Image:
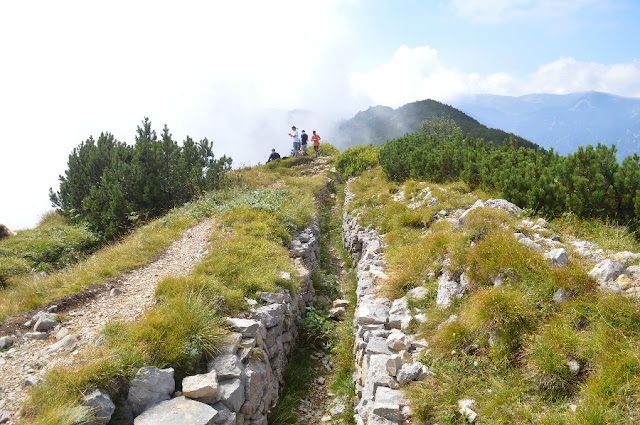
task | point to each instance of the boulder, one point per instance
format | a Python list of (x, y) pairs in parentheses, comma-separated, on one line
[(203, 387), (411, 371), (557, 257), (398, 341), (271, 315), (607, 270), (44, 321), (338, 313), (503, 204), (247, 327), (463, 217), (372, 312), (418, 293), (149, 387), (226, 366), (35, 335), (625, 282), (232, 394), (562, 295), (66, 344), (101, 405), (5, 342), (340, 303), (465, 409), (399, 315), (448, 288), (178, 411), (531, 244)]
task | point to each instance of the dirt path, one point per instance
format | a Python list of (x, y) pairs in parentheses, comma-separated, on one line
[(28, 360)]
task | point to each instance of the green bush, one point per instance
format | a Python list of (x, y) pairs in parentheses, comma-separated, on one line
[(589, 182), (327, 149), (112, 185), (353, 161)]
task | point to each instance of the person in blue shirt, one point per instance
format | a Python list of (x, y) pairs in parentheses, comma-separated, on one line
[(304, 138)]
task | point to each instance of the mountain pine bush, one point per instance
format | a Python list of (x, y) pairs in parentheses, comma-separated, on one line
[(112, 185), (589, 183)]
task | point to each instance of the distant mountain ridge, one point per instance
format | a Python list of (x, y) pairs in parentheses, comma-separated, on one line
[(562, 122), (379, 124)]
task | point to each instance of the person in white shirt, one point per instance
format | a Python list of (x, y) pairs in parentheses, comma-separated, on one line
[(296, 140)]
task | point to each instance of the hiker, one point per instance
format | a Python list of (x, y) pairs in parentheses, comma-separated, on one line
[(274, 155), (304, 137), (316, 143), (296, 142), (4, 231)]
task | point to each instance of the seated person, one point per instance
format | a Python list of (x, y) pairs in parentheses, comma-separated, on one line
[(274, 155)]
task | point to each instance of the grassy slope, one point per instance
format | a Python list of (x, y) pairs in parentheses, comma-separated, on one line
[(521, 375), (255, 219)]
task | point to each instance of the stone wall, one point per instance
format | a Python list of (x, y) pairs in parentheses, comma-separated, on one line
[(243, 383), (384, 350)]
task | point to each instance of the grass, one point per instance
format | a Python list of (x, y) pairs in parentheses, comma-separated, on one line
[(30, 291), (53, 244), (512, 346), (606, 234), (248, 251)]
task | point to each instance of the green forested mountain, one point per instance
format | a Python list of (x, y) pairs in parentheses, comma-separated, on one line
[(378, 124)]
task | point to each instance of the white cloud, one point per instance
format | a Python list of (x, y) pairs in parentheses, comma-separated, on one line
[(415, 74), (499, 11), (71, 69)]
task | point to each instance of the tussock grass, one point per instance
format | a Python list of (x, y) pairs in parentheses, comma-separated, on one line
[(606, 234), (512, 349)]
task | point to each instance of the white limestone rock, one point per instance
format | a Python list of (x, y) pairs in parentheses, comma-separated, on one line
[(101, 405), (503, 204), (44, 321), (66, 344), (557, 257), (232, 393), (448, 288), (149, 387), (226, 366), (411, 371), (178, 411), (418, 293), (531, 244), (607, 270), (6, 342), (465, 409), (398, 341), (202, 387), (372, 312), (399, 315)]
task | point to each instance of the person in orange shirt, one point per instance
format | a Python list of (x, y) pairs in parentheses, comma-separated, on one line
[(316, 143)]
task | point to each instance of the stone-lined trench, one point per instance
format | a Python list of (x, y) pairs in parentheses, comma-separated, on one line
[(244, 383)]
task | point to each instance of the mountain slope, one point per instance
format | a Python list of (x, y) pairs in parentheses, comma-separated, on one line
[(378, 124), (563, 122)]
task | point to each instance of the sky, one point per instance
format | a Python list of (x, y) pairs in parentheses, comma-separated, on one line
[(229, 71)]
